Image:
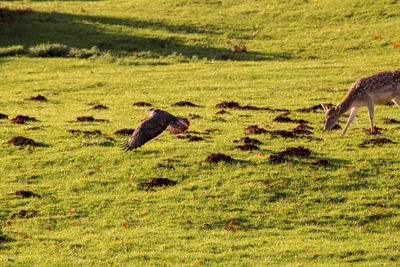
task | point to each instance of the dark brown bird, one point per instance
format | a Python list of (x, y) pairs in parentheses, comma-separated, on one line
[(153, 126)]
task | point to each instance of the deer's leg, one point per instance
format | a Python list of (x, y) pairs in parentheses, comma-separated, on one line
[(396, 101), (352, 116), (371, 112)]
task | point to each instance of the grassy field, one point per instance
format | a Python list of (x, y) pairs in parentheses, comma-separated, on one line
[(88, 207)]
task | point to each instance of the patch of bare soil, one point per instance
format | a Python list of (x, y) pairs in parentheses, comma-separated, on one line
[(26, 194), (226, 104), (3, 116), (25, 214), (287, 119), (254, 129), (33, 128), (391, 121), (303, 127), (194, 138), (248, 140), (320, 162), (290, 151), (85, 133), (142, 104), (20, 119), (377, 130), (184, 104), (89, 119), (222, 111), (247, 147), (376, 141), (297, 131), (194, 116), (157, 182), (160, 165), (124, 131), (37, 98), (100, 107), (283, 133), (236, 105), (21, 141), (314, 108), (217, 157)]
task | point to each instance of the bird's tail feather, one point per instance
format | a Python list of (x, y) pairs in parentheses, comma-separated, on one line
[(179, 126), (126, 147)]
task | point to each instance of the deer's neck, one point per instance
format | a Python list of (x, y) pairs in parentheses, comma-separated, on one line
[(346, 104)]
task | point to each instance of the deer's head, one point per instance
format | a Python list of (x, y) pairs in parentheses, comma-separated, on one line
[(332, 115)]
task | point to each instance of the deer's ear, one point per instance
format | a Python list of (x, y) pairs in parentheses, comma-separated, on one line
[(325, 107)]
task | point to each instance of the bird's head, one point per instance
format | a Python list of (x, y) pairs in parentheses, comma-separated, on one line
[(150, 110)]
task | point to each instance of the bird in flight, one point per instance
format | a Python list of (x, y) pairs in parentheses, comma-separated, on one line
[(158, 121)]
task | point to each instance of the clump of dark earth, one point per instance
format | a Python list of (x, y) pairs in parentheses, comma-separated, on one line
[(287, 119), (194, 138), (25, 214), (320, 162), (283, 133), (100, 107), (390, 103), (160, 165), (3, 116), (248, 140), (21, 141), (391, 121), (89, 119), (236, 105), (194, 116), (124, 131), (184, 104), (336, 127), (301, 131), (226, 104), (217, 157), (290, 151), (376, 141), (37, 98), (157, 182), (85, 133), (33, 128), (26, 194), (254, 129), (20, 119), (314, 108), (247, 147), (303, 127), (377, 130), (142, 104), (222, 111)]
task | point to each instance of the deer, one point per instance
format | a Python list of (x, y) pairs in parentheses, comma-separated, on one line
[(379, 88)]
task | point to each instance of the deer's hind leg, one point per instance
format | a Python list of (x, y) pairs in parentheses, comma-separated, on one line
[(371, 112)]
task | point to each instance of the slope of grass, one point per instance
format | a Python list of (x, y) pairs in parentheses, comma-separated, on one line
[(249, 212)]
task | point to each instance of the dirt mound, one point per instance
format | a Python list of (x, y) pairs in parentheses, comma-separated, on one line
[(222, 111), (21, 141), (377, 130), (287, 119), (376, 141), (100, 107), (37, 98), (247, 147), (33, 128), (89, 119), (184, 104), (217, 157), (194, 116), (303, 127), (320, 162), (230, 104), (3, 116), (297, 131), (160, 165), (157, 182), (236, 105), (254, 129), (26, 194), (387, 121), (20, 119), (142, 104), (283, 133), (124, 131), (85, 133), (194, 138), (290, 151), (25, 214), (314, 108), (248, 140)]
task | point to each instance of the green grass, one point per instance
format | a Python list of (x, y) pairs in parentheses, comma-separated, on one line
[(92, 212)]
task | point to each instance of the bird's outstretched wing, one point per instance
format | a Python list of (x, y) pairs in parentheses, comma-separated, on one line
[(146, 130), (178, 125)]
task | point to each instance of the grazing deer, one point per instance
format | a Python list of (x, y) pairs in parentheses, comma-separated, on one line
[(376, 89)]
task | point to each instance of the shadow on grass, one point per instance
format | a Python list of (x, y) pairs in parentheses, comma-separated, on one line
[(30, 28)]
